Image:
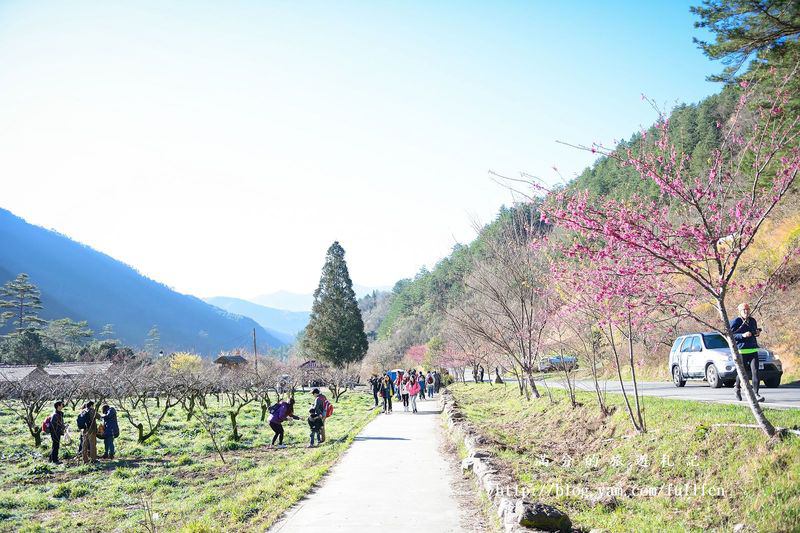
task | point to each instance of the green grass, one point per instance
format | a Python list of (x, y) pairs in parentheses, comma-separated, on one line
[(560, 454), (177, 472)]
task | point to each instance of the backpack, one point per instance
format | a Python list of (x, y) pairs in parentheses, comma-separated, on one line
[(273, 408), (430, 380), (46, 425), (83, 419), (327, 407)]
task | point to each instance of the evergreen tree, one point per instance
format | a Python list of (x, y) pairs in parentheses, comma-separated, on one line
[(767, 30), (335, 332), (19, 299), (67, 336), (26, 348), (153, 340)]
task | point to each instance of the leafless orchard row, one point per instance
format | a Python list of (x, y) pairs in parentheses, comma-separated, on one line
[(143, 394)]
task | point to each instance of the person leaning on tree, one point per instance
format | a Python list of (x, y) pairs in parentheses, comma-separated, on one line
[(745, 330)]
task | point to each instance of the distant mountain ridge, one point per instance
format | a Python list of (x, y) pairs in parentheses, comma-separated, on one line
[(84, 284), (292, 301), (283, 324)]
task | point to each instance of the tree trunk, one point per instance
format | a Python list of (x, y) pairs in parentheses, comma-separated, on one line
[(37, 436), (603, 409), (532, 383), (749, 393), (497, 378), (190, 411), (621, 382), (639, 408), (235, 427)]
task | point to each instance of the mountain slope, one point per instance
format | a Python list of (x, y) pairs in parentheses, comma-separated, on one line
[(84, 284), (282, 324)]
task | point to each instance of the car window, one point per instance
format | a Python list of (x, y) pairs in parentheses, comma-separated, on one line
[(715, 341), (687, 345), (696, 346)]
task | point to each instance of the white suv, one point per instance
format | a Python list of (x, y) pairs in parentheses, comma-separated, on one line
[(707, 356)]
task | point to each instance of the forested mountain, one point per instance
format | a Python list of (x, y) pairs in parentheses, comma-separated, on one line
[(284, 325), (83, 284), (764, 49)]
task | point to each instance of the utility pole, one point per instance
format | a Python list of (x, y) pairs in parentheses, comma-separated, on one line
[(255, 353)]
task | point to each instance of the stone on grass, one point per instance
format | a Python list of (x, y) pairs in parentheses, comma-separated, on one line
[(540, 516)]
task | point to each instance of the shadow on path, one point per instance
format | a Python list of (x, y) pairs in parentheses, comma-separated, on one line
[(380, 438)]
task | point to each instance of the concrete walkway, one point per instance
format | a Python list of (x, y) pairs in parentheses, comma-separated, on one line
[(393, 474)]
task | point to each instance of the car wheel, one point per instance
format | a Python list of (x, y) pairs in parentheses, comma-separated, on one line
[(677, 378), (773, 383), (713, 377)]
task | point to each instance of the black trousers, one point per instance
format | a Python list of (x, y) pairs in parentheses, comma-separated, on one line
[(56, 444), (375, 395), (278, 429), (387, 402), (750, 361)]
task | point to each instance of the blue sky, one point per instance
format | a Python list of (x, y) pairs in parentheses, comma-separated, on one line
[(220, 147)]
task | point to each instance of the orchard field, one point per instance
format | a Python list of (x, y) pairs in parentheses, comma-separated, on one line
[(176, 479)]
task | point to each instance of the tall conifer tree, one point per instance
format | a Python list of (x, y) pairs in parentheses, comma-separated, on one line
[(19, 301), (335, 332)]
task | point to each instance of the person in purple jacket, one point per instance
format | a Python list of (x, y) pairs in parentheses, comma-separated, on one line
[(280, 412)]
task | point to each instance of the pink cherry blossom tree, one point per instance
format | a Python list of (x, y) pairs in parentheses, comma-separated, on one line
[(698, 229)]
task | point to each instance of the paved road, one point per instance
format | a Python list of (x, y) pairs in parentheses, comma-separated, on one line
[(780, 398), (393, 473)]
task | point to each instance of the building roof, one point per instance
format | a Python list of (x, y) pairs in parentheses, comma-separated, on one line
[(18, 373), (230, 360), (77, 369), (312, 364)]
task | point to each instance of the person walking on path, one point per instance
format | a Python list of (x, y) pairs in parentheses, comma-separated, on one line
[(57, 429), (87, 422), (397, 384), (280, 412), (430, 383), (315, 424), (413, 392), (375, 385), (437, 380), (321, 406), (421, 383), (404, 393), (110, 432), (387, 391), (745, 330)]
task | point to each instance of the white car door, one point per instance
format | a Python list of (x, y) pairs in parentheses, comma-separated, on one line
[(697, 363), (683, 355)]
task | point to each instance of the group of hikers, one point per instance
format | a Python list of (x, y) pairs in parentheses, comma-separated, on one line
[(406, 386), (317, 415), (91, 425)]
